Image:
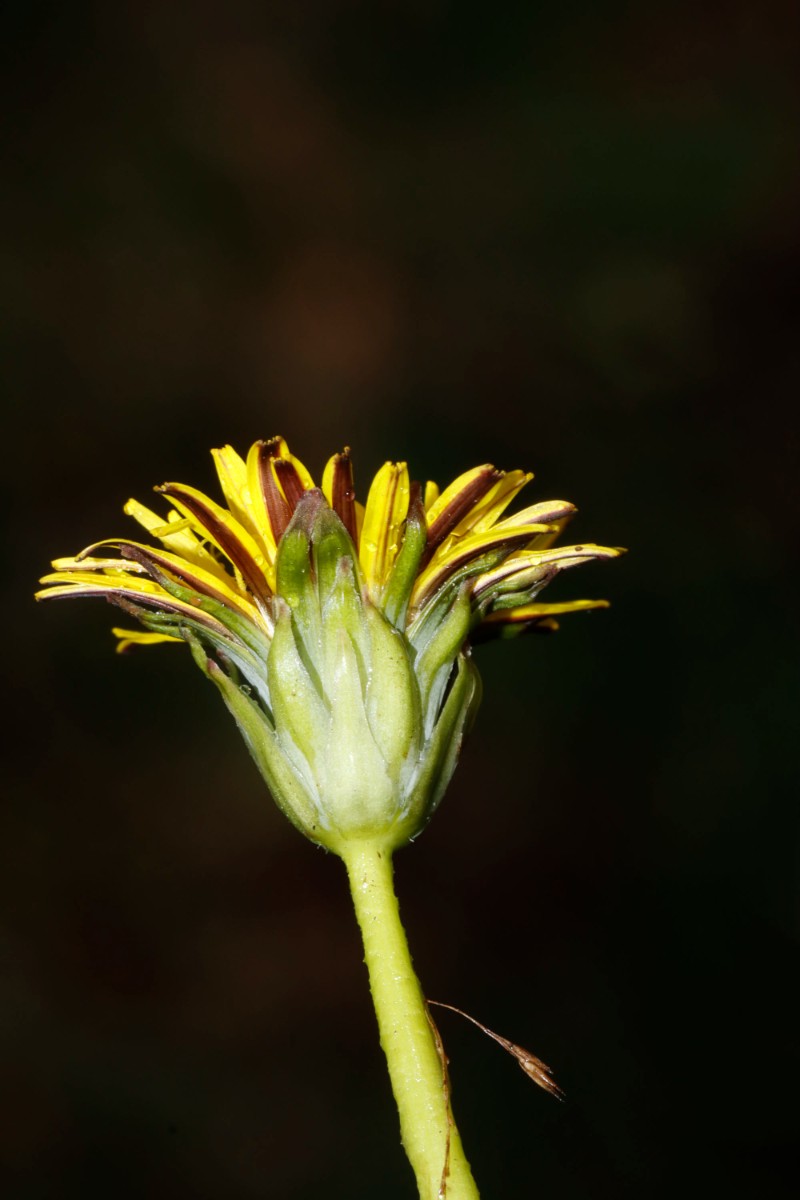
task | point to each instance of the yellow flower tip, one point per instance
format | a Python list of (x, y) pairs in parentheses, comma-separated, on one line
[(593, 551), (338, 488), (547, 625), (277, 446), (66, 564), (278, 480), (135, 637), (414, 551), (384, 516), (431, 495)]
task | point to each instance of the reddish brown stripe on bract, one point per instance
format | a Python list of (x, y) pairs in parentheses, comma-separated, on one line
[(227, 541), (157, 566), (289, 480), (130, 600), (343, 495), (458, 508), (510, 542), (416, 511), (278, 509)]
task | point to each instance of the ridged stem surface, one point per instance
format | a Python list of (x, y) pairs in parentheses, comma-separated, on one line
[(415, 1068)]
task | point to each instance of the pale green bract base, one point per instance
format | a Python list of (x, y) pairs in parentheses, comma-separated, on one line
[(360, 729)]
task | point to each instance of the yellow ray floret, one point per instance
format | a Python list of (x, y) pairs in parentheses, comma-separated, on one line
[(214, 523), (245, 501), (219, 560), (137, 637), (431, 495), (175, 534), (386, 510)]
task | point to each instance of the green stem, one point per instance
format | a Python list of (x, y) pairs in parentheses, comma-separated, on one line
[(415, 1069)]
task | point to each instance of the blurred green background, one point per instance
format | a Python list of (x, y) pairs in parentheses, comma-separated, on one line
[(562, 237)]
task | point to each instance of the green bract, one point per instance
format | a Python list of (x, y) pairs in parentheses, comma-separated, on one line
[(360, 731)]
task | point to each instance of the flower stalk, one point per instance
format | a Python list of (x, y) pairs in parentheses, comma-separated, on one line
[(417, 1074)]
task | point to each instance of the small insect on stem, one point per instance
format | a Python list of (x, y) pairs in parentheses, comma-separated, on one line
[(533, 1067)]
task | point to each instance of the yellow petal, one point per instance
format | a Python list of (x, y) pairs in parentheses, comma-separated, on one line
[(569, 555), (279, 479), (261, 515), (245, 502), (339, 491), (431, 494), (230, 537), (176, 535), (527, 559), (446, 561), (528, 611), (83, 562), (481, 513), (555, 514), (242, 491), (140, 591), (547, 512), (232, 474), (105, 581), (302, 471), (464, 485), (223, 591), (386, 510), (532, 612), (328, 476), (496, 501), (136, 637)]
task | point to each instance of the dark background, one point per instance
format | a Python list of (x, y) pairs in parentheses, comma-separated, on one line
[(554, 236)]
